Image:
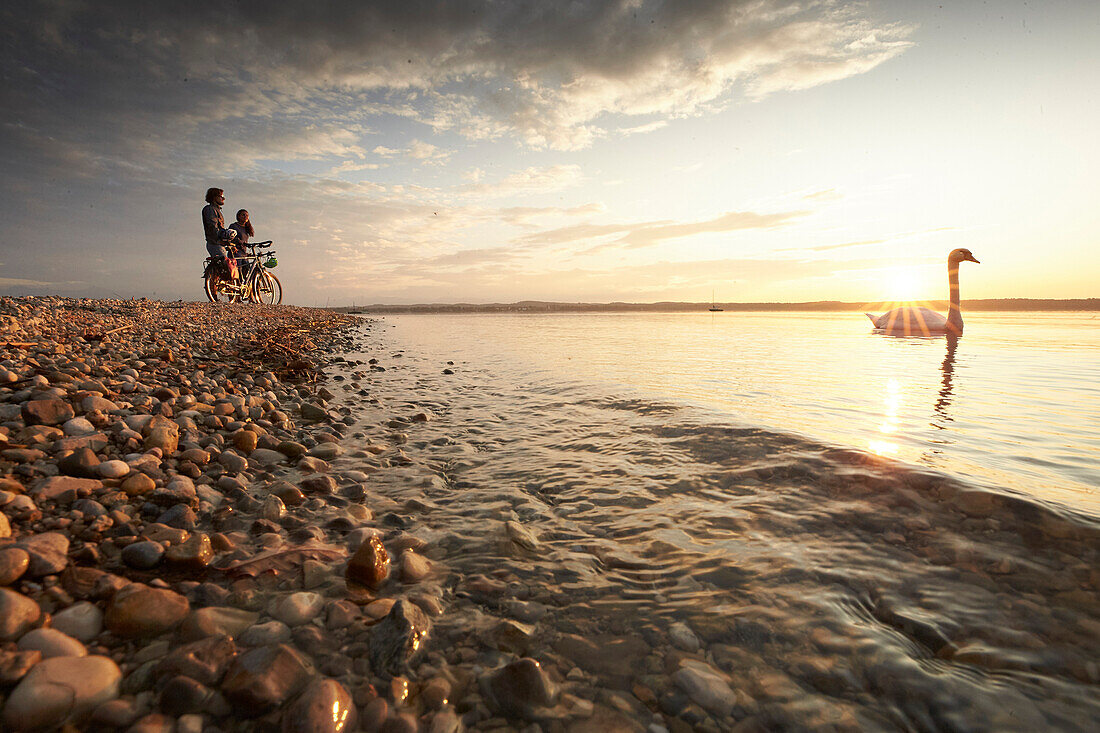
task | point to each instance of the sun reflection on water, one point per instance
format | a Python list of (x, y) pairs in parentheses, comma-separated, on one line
[(889, 425)]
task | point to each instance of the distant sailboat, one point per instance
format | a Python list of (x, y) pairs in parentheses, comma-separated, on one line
[(713, 308)]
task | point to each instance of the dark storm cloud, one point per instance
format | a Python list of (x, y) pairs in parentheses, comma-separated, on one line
[(174, 83)]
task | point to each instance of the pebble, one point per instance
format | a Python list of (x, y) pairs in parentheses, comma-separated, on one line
[(414, 567), (14, 665), (138, 485), (113, 469), (192, 554), (17, 614), (272, 632), (520, 688), (83, 621), (370, 565), (61, 690), (51, 643), (398, 638), (48, 553), (260, 680), (141, 611), (683, 637), (143, 555), (706, 687), (14, 562), (325, 706), (217, 621), (298, 608), (204, 661)]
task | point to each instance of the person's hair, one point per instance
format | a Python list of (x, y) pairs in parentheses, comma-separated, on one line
[(211, 193), (247, 225)]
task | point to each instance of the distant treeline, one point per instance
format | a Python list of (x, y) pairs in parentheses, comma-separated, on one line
[(538, 306)]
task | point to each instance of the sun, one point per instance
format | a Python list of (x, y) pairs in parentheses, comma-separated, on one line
[(902, 285)]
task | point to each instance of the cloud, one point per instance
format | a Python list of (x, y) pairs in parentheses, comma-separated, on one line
[(524, 215), (182, 84), (648, 234), (540, 179)]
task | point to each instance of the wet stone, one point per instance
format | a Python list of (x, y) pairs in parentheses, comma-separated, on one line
[(182, 695), (217, 621), (141, 611), (61, 690), (706, 686), (325, 706), (266, 457), (298, 608), (193, 554), (398, 638), (272, 632), (17, 614), (520, 689), (318, 483), (260, 680), (205, 660), (370, 565), (116, 713), (414, 567)]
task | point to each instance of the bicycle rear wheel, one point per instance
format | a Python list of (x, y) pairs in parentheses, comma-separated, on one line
[(218, 288), (266, 288)]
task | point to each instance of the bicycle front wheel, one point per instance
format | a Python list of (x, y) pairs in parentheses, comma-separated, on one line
[(266, 288)]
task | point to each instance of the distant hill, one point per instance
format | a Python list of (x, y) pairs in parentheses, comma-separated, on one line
[(539, 306)]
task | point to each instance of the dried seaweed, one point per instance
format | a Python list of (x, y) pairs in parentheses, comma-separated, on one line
[(283, 560)]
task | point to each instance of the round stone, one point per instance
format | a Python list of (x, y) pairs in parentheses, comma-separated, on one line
[(81, 621), (140, 611), (61, 690), (113, 469), (52, 643), (138, 485), (143, 555), (298, 608), (17, 614), (13, 563)]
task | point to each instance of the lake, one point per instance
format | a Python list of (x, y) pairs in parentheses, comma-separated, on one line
[(799, 522)]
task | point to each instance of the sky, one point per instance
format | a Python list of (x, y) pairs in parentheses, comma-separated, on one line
[(488, 151)]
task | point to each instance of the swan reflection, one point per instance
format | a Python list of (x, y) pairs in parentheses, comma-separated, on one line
[(947, 387)]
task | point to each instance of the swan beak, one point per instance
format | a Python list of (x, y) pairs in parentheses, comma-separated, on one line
[(971, 258)]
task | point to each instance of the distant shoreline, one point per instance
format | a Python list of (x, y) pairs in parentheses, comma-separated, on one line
[(536, 306)]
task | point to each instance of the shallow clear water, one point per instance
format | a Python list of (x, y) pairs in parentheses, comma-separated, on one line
[(1013, 404), (739, 474)]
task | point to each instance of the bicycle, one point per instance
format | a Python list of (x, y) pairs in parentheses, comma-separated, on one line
[(256, 283)]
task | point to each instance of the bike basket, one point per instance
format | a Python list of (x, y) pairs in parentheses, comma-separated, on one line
[(271, 262)]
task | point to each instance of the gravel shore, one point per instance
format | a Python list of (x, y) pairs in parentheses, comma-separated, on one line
[(177, 552)]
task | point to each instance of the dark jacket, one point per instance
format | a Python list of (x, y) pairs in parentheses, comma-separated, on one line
[(214, 225)]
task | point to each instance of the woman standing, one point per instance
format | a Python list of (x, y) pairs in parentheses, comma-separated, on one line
[(244, 231)]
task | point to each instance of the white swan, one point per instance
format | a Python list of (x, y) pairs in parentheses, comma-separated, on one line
[(919, 321)]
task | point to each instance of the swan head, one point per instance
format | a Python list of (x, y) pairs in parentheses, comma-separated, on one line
[(961, 255)]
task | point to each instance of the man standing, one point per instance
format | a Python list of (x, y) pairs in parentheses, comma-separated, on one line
[(213, 223)]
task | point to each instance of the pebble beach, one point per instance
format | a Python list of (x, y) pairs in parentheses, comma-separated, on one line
[(270, 518)]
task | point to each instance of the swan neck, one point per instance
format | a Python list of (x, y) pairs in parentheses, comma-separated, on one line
[(954, 314)]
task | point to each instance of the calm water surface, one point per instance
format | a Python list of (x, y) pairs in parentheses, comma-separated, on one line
[(840, 530), (1014, 403)]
